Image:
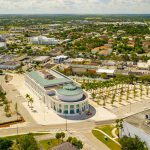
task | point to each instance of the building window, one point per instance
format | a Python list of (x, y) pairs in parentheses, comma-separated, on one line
[(77, 110), (54, 108), (60, 111), (72, 111), (71, 106), (66, 107), (77, 106), (65, 111)]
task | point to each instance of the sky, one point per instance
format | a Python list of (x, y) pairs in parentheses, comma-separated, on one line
[(74, 6)]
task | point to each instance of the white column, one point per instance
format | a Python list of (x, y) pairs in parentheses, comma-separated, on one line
[(62, 108), (68, 109), (75, 108)]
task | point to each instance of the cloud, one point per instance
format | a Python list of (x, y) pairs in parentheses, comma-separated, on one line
[(75, 6)]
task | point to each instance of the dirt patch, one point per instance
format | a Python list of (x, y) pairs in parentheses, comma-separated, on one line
[(8, 124)]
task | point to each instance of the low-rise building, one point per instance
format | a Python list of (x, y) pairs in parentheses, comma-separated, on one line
[(60, 58), (9, 65), (41, 59), (109, 72)]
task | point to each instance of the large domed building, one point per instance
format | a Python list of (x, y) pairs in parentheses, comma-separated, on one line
[(70, 100), (59, 93)]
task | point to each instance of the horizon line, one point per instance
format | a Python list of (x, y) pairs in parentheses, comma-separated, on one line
[(74, 14)]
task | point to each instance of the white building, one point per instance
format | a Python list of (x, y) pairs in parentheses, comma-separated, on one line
[(60, 58), (3, 45), (58, 92), (41, 59), (2, 38), (109, 72), (138, 125), (42, 40), (144, 65)]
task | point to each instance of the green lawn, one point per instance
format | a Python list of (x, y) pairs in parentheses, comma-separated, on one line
[(111, 144), (15, 136), (49, 143), (107, 129)]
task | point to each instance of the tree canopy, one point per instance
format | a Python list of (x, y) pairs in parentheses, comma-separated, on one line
[(129, 143), (27, 142)]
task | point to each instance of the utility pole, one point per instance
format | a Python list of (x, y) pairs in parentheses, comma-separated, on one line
[(16, 108), (44, 107)]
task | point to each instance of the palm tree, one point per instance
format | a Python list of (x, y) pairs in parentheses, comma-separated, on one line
[(6, 78), (27, 95), (62, 136), (141, 90), (134, 90), (28, 98), (31, 101), (7, 108), (119, 125), (121, 94), (58, 136), (128, 92), (93, 96), (113, 98), (147, 90), (104, 103)]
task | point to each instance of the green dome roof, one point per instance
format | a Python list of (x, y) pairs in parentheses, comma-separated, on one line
[(70, 87), (70, 90)]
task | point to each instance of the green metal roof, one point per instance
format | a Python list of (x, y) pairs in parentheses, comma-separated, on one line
[(70, 90), (45, 82)]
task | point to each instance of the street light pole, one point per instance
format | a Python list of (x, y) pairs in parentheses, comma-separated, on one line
[(66, 122)]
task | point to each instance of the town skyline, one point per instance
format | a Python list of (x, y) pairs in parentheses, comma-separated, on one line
[(75, 7)]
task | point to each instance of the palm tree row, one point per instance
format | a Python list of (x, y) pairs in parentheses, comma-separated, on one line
[(120, 91)]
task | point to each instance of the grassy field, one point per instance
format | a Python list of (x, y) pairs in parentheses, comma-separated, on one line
[(15, 136), (111, 144), (49, 143), (3, 32), (107, 129)]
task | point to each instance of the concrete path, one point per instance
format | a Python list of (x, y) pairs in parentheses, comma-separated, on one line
[(114, 133)]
